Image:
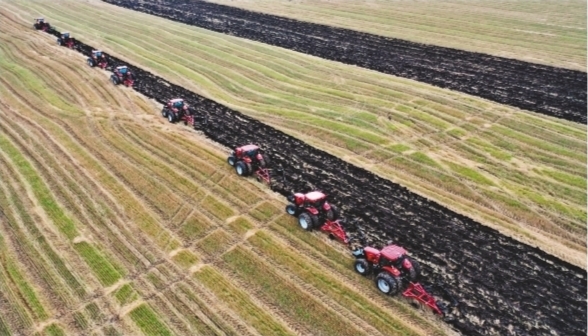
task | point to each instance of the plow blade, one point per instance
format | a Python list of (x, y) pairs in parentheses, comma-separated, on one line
[(416, 291)]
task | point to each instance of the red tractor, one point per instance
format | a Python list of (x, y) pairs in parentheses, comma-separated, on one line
[(40, 24), (313, 211), (392, 265), (395, 272), (98, 58), (248, 160), (65, 40), (122, 74), (176, 110)]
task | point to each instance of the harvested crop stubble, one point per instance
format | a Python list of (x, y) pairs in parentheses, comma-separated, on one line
[(492, 261)]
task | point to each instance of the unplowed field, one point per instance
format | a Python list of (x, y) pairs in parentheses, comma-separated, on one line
[(503, 285), (113, 222), (552, 91)]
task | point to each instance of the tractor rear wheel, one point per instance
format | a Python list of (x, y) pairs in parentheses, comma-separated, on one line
[(231, 160), (114, 80), (60, 42), (291, 210), (91, 62), (307, 221), (171, 117), (387, 284), (333, 213), (415, 271), (241, 168), (363, 267)]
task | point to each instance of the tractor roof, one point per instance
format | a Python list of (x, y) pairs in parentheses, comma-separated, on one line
[(176, 100), (96, 51), (393, 252), (247, 148), (315, 196), (121, 67), (40, 18)]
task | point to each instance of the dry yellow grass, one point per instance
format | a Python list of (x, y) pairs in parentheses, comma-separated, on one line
[(102, 230)]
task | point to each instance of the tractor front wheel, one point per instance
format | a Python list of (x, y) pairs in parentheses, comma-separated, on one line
[(363, 267), (387, 284), (114, 80), (171, 117), (91, 62), (231, 160), (307, 221), (60, 42), (291, 210), (241, 168)]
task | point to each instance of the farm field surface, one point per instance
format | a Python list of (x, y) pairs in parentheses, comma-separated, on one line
[(551, 32), (548, 90), (487, 311), (114, 222), (521, 173)]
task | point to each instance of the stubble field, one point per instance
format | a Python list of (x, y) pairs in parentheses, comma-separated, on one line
[(115, 223), (109, 272)]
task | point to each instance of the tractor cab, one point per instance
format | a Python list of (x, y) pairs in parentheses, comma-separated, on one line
[(177, 103), (392, 252), (65, 35), (123, 70), (96, 53), (40, 20), (250, 151)]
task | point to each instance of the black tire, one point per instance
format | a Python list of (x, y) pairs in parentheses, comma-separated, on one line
[(291, 210), (266, 159), (241, 168), (91, 62), (387, 284), (333, 213), (415, 272), (231, 160), (164, 112), (171, 117), (60, 42), (362, 267), (114, 80), (306, 221), (249, 168)]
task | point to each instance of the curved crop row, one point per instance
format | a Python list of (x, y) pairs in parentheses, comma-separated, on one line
[(487, 270)]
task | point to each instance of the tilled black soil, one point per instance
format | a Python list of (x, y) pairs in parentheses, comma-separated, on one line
[(505, 287), (553, 91)]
